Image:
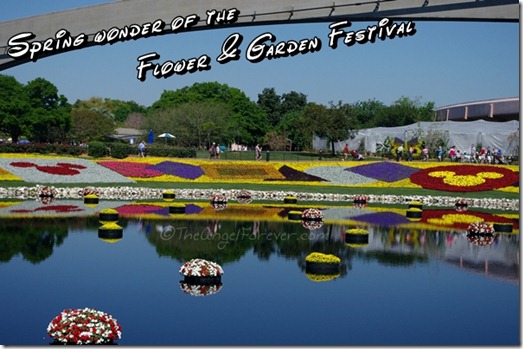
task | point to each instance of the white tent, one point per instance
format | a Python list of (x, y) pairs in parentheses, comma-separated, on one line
[(460, 133)]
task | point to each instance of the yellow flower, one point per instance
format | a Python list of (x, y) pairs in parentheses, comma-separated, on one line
[(321, 277), (317, 257)]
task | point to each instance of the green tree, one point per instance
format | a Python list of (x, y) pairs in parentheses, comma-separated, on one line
[(14, 106), (89, 125), (193, 124), (405, 111), (270, 103), (293, 102), (366, 113), (50, 113), (334, 123), (245, 123)]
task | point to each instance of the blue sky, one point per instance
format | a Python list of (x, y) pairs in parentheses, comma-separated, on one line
[(444, 63)]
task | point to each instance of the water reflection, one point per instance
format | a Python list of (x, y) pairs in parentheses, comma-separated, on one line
[(229, 233), (134, 273)]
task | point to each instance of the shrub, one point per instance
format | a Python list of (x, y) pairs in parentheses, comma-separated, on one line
[(97, 149), (119, 150)]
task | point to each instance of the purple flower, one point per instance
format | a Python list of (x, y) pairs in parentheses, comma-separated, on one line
[(384, 171), (178, 169)]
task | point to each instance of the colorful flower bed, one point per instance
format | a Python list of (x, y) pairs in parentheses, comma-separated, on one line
[(436, 176)]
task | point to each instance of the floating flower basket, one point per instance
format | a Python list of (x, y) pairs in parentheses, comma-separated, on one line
[(480, 239), (416, 204), (503, 227), (294, 215), (169, 195), (46, 192), (321, 277), (311, 224), (244, 197), (199, 271), (218, 206), (108, 215), (480, 228), (91, 199), (414, 214), (199, 290), (218, 201), (290, 199), (312, 214), (356, 236), (360, 199), (461, 205), (84, 326), (177, 209), (320, 263), (110, 231)]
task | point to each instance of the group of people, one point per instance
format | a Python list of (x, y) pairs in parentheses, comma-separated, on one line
[(474, 155), (214, 151), (346, 151)]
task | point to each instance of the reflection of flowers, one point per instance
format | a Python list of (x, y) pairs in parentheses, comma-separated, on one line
[(84, 326), (481, 239), (244, 197), (46, 194), (312, 214), (360, 201), (201, 268), (461, 205), (200, 290), (480, 228), (311, 224), (321, 277), (218, 201)]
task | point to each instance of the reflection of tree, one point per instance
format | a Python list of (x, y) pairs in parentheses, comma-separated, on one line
[(217, 240), (34, 239)]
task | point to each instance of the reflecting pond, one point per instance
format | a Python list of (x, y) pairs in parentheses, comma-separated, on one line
[(413, 282)]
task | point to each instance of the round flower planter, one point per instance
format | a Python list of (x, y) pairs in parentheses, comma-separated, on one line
[(294, 215), (108, 215), (200, 290), (416, 204), (461, 205), (322, 268), (177, 209), (503, 227), (110, 231), (199, 271), (169, 195), (480, 228), (357, 236), (312, 224), (202, 280), (91, 199), (289, 199), (480, 239), (84, 326), (414, 214), (312, 214), (321, 277), (244, 197), (359, 200)]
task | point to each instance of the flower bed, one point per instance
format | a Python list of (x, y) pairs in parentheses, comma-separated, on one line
[(437, 176), (84, 326)]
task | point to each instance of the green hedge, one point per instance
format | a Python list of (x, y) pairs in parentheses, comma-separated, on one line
[(97, 149), (42, 148)]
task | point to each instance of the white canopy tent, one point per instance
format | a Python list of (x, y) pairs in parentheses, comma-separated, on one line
[(460, 133)]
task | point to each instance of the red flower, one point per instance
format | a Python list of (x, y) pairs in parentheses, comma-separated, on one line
[(424, 178)]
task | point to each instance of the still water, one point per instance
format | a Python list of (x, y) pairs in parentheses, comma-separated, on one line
[(413, 283)]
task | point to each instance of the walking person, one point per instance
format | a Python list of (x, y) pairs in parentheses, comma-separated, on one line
[(258, 150), (141, 149)]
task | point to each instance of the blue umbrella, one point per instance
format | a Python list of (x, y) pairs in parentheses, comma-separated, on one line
[(150, 138)]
